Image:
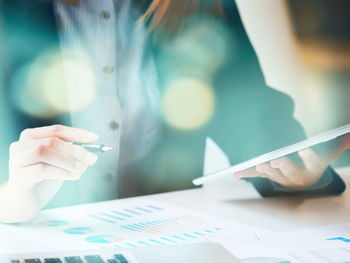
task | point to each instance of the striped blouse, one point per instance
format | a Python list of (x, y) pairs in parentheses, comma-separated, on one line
[(105, 40)]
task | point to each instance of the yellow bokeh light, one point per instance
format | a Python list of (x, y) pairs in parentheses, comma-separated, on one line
[(69, 85), (27, 94), (51, 85), (188, 103)]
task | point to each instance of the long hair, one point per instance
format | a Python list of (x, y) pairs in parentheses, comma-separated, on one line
[(71, 2), (171, 14)]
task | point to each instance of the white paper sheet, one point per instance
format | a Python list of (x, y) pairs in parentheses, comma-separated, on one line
[(147, 222), (327, 244), (13, 240), (135, 222)]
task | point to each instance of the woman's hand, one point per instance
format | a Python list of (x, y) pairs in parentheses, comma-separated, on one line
[(288, 174), (46, 154)]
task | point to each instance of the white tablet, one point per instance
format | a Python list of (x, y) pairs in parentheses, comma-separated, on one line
[(324, 137)]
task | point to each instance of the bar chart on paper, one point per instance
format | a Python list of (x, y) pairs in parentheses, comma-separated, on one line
[(130, 223)]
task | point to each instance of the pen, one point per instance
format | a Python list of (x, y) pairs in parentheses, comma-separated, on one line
[(95, 147)]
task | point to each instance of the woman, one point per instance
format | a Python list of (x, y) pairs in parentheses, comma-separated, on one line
[(161, 89)]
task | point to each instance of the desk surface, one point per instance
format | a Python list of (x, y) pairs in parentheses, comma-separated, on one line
[(239, 202), (243, 204)]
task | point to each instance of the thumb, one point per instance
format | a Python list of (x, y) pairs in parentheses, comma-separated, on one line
[(345, 142)]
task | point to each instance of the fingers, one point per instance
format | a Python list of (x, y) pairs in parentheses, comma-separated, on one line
[(311, 161), (249, 173), (44, 153), (264, 171), (285, 165), (273, 174), (345, 141), (77, 152), (290, 170), (285, 172), (49, 156), (63, 132)]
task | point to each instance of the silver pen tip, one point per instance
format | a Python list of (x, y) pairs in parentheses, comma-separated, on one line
[(106, 148)]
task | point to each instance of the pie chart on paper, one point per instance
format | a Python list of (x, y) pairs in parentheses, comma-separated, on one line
[(53, 223), (104, 239), (78, 231)]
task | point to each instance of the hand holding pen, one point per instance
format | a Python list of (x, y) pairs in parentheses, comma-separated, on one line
[(53, 154), (46, 154)]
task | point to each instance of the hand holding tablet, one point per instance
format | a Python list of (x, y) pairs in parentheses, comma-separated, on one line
[(260, 160)]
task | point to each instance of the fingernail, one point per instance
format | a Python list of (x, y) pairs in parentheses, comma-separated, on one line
[(275, 163), (90, 158), (261, 168), (80, 166), (93, 136), (304, 153)]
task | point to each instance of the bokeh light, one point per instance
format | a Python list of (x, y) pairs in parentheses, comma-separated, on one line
[(69, 85), (188, 103), (188, 64), (26, 92), (198, 50), (203, 42), (50, 85)]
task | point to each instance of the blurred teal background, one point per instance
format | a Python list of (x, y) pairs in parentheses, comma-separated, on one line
[(321, 29)]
